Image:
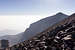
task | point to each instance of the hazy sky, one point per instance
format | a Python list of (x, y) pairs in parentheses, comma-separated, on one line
[(36, 7), (19, 14)]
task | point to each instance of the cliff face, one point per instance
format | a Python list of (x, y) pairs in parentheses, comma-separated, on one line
[(43, 24)]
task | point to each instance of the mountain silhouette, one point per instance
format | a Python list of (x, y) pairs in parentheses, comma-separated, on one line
[(43, 24), (52, 38), (35, 28)]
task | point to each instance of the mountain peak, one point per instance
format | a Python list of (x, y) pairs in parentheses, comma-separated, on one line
[(60, 13)]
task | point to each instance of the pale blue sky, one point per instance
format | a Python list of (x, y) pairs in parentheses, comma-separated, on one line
[(19, 14), (36, 7)]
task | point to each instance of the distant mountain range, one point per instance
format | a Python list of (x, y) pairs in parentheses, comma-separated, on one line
[(8, 31), (13, 39), (35, 28)]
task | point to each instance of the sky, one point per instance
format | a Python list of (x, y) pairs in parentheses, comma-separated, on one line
[(19, 14)]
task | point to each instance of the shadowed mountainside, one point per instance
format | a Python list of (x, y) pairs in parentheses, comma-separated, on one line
[(60, 36), (35, 28), (43, 24)]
